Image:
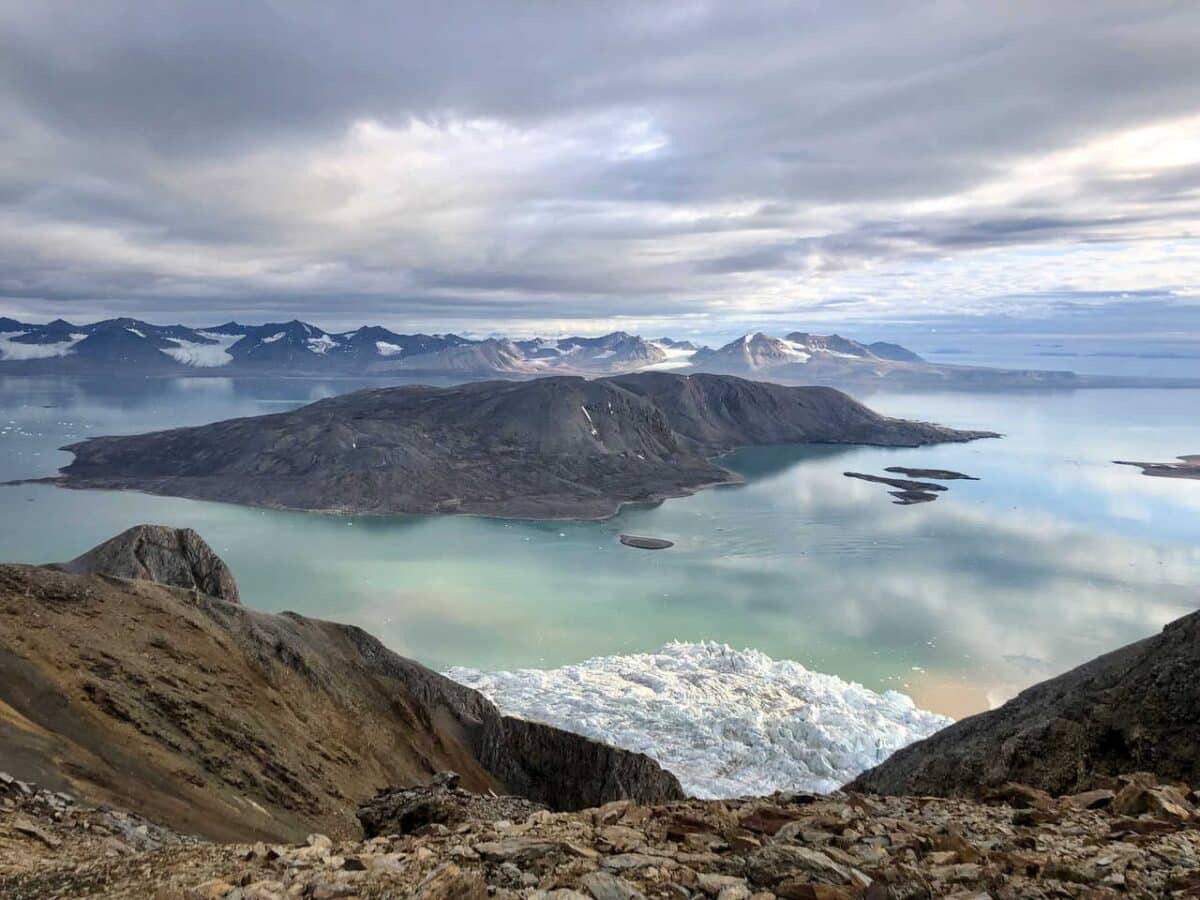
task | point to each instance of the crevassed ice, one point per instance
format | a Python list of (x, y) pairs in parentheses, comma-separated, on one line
[(726, 722)]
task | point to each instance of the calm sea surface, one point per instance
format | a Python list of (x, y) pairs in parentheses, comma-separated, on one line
[(1054, 556)]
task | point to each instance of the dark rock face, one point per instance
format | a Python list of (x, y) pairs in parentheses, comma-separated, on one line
[(174, 556), (568, 771), (1135, 709), (539, 762), (559, 447)]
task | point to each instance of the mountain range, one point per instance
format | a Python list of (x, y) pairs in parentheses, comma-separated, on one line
[(133, 347)]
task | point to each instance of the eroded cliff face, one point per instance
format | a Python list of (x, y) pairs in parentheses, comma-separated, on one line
[(1135, 709), (215, 719)]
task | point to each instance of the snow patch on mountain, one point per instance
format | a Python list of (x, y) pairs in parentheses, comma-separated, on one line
[(802, 352), (677, 358), (322, 344), (726, 722)]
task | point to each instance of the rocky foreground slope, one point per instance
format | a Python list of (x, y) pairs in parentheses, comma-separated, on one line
[(1018, 845), (218, 720), (549, 448)]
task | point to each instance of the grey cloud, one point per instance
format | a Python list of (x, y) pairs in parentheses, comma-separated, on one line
[(685, 155)]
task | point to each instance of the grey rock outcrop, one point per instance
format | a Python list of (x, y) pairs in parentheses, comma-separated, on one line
[(173, 556), (1135, 709)]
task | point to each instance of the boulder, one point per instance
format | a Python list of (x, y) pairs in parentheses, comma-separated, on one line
[(400, 810)]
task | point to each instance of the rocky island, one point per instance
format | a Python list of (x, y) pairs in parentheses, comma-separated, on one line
[(645, 543), (558, 447), (937, 474), (909, 492), (1187, 467), (160, 741)]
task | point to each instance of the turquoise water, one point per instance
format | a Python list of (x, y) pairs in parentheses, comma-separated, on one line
[(1054, 556)]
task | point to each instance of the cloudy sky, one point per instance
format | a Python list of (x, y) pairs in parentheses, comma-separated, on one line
[(537, 166)]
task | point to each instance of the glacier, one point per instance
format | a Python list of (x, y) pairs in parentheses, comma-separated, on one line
[(726, 722)]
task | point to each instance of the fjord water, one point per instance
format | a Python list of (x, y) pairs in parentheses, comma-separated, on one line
[(1054, 556)]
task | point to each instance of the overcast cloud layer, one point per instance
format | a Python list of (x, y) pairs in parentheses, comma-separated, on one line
[(546, 166)]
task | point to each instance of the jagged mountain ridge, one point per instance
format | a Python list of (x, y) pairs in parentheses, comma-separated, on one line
[(132, 347), (804, 358), (554, 447), (296, 347)]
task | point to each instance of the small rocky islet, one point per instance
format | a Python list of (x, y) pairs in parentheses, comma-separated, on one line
[(935, 474), (1187, 467), (909, 491), (641, 542)]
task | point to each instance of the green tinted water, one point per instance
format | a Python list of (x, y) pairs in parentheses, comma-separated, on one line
[(1054, 556)]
